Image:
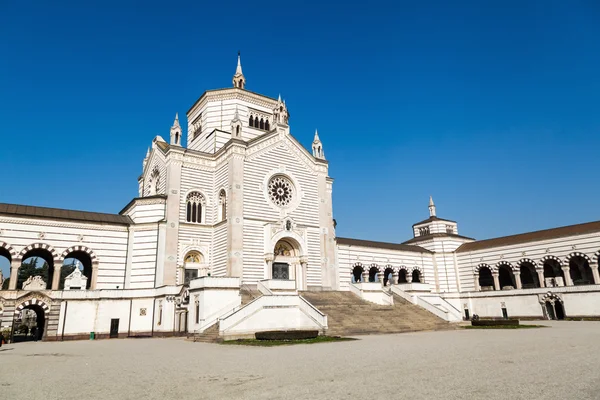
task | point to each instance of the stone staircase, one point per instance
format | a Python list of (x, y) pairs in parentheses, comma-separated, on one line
[(248, 295), (349, 315), (210, 335)]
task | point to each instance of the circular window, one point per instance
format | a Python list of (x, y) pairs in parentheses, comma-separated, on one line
[(281, 191)]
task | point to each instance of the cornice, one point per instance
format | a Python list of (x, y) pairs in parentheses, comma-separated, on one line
[(64, 225)]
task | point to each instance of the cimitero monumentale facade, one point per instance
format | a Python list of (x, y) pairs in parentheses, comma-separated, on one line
[(230, 227)]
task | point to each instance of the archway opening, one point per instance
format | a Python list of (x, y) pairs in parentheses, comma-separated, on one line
[(76, 259), (416, 276), (402, 276), (373, 274), (529, 278), (287, 257), (387, 276), (486, 280), (581, 273), (36, 262), (192, 262), (357, 272), (553, 273), (559, 310), (5, 260), (29, 324), (506, 277)]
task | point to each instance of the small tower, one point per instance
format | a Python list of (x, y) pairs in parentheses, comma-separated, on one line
[(317, 147), (236, 126), (280, 112), (431, 207), (176, 132), (239, 81)]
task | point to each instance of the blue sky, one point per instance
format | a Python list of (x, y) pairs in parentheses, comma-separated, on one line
[(491, 107)]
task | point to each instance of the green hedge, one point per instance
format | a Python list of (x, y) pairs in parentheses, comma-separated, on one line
[(494, 322), (286, 335)]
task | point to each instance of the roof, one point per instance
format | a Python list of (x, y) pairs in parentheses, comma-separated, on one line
[(431, 219), (58, 213), (554, 233), (381, 245), (436, 235), (155, 196)]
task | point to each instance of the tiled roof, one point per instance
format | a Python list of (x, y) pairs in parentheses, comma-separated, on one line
[(554, 233), (436, 235), (381, 245), (57, 213), (431, 219)]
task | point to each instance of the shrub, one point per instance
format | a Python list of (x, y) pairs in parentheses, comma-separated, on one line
[(494, 322), (286, 335)]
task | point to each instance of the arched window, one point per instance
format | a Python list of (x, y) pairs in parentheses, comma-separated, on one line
[(416, 276), (251, 121), (237, 129), (262, 123), (267, 124), (195, 207), (222, 206), (176, 137)]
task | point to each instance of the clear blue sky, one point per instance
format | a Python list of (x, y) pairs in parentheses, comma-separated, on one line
[(491, 107)]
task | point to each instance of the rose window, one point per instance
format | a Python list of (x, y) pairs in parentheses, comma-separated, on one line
[(281, 191)]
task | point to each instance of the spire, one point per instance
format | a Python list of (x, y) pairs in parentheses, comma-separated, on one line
[(317, 147), (431, 207), (236, 125), (279, 98), (239, 81), (176, 131)]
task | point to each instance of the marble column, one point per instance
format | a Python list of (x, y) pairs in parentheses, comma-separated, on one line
[(408, 277), (476, 282), (269, 260), (595, 273), (517, 275), (380, 276), (94, 281), (303, 267), (14, 273), (540, 273), (394, 278), (56, 276), (365, 276), (567, 273), (496, 275)]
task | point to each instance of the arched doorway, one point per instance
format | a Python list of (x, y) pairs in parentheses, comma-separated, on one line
[(387, 276), (357, 272), (76, 259), (553, 273), (193, 266), (486, 280), (553, 307), (373, 274), (529, 277), (581, 273), (36, 262), (506, 277), (402, 276), (287, 263), (29, 323), (416, 276)]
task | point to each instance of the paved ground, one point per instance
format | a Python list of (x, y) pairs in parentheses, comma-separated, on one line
[(561, 362)]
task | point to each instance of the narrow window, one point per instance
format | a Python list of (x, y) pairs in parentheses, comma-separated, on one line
[(267, 125), (188, 217), (262, 124), (251, 122)]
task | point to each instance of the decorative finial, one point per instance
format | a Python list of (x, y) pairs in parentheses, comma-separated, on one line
[(431, 207), (316, 139)]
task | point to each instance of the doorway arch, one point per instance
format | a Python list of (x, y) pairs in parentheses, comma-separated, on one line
[(552, 307), (288, 263), (41, 310)]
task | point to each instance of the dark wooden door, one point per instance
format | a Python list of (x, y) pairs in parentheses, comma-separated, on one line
[(114, 328), (281, 271)]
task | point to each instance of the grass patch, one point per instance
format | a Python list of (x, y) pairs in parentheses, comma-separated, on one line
[(505, 327), (271, 343)]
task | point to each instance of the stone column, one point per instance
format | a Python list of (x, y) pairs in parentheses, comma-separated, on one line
[(56, 276), (540, 273), (595, 273), (365, 276), (269, 260), (517, 275), (380, 276), (303, 267), (14, 273), (567, 273), (94, 276), (476, 282), (495, 275), (408, 277), (394, 278)]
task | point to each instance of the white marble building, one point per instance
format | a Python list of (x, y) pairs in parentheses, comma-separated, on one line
[(244, 206)]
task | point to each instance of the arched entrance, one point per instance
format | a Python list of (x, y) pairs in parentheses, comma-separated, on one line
[(387, 276), (529, 277), (506, 277), (37, 260), (76, 259), (581, 273), (402, 276), (287, 263), (29, 323), (193, 266), (553, 273), (552, 307), (486, 280), (416, 276), (373, 274), (357, 272)]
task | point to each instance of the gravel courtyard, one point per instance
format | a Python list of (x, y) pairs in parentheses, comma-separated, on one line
[(561, 362)]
